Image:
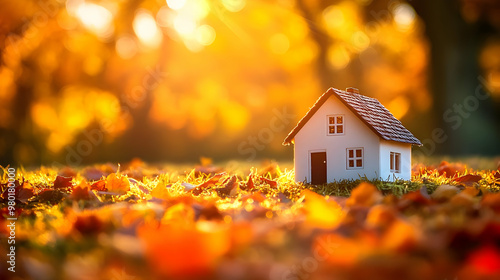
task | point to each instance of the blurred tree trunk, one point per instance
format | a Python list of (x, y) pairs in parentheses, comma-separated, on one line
[(455, 76)]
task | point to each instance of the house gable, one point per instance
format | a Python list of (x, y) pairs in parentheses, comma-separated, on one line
[(314, 137), (369, 110)]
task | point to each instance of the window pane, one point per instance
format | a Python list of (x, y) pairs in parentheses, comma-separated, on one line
[(359, 153), (351, 153), (351, 163), (398, 158), (340, 120), (332, 129), (359, 163), (392, 161), (331, 120), (340, 129)]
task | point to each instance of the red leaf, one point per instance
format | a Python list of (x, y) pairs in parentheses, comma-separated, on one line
[(486, 259), (99, 186), (450, 169), (271, 183), (468, 180), (52, 196), (88, 224), (250, 185), (62, 182), (210, 182), (24, 194)]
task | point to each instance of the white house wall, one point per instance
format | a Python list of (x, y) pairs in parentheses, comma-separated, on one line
[(314, 137), (386, 147)]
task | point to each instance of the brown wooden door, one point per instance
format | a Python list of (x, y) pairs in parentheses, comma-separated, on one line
[(318, 168)]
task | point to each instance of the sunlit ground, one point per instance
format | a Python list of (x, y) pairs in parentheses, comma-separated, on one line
[(237, 222)]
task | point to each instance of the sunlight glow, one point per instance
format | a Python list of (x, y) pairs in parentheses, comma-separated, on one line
[(205, 35), (404, 16), (279, 43), (96, 19), (184, 25), (338, 57), (176, 4), (399, 106), (333, 17), (234, 5), (146, 29)]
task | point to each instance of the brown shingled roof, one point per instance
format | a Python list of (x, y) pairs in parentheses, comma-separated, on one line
[(369, 110)]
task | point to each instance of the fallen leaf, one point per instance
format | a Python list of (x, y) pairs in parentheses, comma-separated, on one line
[(270, 182), (88, 224), (63, 182), (228, 186), (365, 194), (450, 169), (444, 192), (117, 183), (52, 196), (80, 193), (208, 183), (161, 191), (321, 213), (99, 186), (190, 252), (468, 180), (188, 186)]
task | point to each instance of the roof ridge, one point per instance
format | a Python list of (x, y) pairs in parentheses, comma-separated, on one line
[(369, 110)]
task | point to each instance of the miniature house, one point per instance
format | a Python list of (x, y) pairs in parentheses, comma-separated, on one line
[(346, 135)]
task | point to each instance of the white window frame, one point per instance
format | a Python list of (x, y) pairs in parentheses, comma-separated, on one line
[(395, 162), (335, 124), (355, 158)]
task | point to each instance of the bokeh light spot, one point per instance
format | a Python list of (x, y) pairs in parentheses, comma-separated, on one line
[(96, 19), (176, 4), (404, 16), (338, 57), (184, 25), (333, 17), (146, 29), (234, 5), (205, 35), (360, 41), (126, 47)]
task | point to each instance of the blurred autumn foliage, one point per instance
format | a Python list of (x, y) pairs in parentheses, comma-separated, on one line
[(84, 81)]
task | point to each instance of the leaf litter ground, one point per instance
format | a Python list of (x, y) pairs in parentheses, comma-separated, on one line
[(144, 222)]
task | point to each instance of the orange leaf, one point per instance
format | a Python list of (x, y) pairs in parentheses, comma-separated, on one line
[(161, 191), (365, 194), (80, 193), (182, 252), (117, 183), (320, 212)]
